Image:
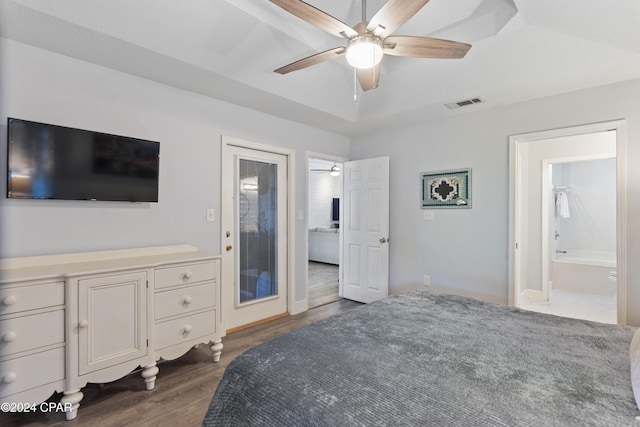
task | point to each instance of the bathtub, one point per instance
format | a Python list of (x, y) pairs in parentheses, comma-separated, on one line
[(585, 271)]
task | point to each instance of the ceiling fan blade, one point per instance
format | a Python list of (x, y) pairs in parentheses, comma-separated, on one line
[(392, 15), (424, 47), (316, 17), (369, 77), (327, 55)]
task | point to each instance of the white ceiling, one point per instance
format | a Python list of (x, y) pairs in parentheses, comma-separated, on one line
[(228, 49)]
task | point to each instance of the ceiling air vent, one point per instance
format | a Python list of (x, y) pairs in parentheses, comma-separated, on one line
[(454, 105)]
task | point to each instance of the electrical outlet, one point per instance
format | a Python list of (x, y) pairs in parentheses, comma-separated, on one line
[(426, 281)]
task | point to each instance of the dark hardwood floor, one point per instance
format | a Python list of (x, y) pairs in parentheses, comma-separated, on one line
[(184, 386)]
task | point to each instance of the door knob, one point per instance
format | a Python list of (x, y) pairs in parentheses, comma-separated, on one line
[(83, 324), (383, 240), (229, 248)]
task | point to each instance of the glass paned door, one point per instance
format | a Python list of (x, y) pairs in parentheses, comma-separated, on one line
[(254, 235), (258, 230)]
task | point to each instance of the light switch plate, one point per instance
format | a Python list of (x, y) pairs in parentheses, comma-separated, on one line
[(211, 215), (429, 215)]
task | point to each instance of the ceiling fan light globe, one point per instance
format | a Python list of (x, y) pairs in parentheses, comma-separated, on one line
[(364, 52)]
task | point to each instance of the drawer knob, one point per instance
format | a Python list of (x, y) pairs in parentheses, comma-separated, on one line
[(9, 336), (83, 324), (188, 299), (187, 275), (9, 377), (9, 300), (187, 329)]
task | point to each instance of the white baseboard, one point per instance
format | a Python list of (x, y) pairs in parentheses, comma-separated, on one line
[(406, 288), (469, 294)]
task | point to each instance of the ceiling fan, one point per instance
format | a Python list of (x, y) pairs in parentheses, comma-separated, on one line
[(333, 170), (369, 41)]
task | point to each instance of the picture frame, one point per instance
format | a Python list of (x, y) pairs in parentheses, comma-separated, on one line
[(446, 189)]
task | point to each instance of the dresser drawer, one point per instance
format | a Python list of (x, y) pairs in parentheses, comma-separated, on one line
[(29, 332), (29, 297), (185, 300), (185, 329), (24, 373), (184, 274)]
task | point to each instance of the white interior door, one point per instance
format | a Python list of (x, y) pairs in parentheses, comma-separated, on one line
[(254, 226), (366, 230)]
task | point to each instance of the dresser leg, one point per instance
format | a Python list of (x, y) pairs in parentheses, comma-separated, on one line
[(216, 348), (71, 400), (149, 374)]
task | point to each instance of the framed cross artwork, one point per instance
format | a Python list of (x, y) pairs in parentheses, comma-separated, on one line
[(446, 189)]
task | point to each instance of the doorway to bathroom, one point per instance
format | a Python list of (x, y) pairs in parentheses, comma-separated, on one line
[(567, 189)]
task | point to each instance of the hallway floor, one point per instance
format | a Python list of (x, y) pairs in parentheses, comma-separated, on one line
[(323, 284), (598, 308)]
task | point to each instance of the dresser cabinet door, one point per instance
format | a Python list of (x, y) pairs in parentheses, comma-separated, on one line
[(112, 325)]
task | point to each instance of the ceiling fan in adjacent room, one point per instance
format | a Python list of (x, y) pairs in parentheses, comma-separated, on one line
[(333, 170), (369, 41)]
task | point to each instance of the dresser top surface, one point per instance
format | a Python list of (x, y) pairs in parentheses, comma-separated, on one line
[(61, 266)]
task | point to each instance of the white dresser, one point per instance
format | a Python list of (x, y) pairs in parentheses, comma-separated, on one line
[(70, 319)]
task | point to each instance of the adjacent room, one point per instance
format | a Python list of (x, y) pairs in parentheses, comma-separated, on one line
[(394, 212), (324, 193)]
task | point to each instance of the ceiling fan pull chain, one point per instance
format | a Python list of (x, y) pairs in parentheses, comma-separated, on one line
[(355, 86)]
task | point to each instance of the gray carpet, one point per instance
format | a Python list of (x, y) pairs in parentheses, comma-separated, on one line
[(426, 359)]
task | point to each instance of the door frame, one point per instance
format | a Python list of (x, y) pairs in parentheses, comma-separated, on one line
[(515, 220), (225, 191), (331, 158)]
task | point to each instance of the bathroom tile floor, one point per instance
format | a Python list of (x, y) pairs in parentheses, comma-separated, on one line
[(598, 308)]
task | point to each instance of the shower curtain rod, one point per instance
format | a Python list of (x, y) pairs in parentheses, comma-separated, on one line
[(560, 189)]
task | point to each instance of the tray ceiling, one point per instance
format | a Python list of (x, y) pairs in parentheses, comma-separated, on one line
[(228, 50)]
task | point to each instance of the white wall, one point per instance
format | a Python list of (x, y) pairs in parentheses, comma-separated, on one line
[(591, 225), (466, 250), (322, 189), (47, 87)]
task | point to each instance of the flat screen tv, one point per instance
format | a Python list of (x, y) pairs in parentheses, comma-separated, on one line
[(335, 209), (55, 162)]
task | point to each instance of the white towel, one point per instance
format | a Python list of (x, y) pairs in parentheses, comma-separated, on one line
[(562, 205)]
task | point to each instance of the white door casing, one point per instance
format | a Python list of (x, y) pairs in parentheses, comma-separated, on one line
[(365, 229)]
